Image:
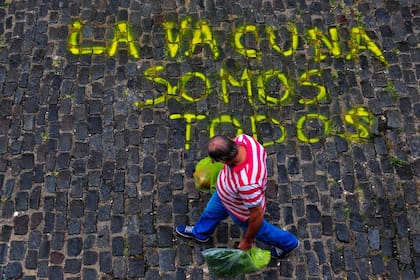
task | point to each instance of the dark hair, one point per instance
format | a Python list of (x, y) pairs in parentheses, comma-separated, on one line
[(222, 148)]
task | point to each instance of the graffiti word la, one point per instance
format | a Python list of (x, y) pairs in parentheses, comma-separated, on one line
[(184, 37)]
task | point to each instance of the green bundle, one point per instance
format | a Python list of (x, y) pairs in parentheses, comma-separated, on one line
[(230, 263), (205, 174)]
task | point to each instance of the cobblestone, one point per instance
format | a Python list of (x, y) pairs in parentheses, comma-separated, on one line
[(92, 186)]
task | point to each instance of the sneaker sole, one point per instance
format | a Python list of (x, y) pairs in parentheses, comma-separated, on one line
[(192, 237), (288, 254), (294, 249)]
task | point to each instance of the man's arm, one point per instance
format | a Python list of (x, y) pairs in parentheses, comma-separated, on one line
[(254, 223)]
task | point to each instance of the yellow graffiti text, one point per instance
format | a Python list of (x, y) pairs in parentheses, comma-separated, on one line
[(301, 124), (317, 37), (264, 78), (304, 80), (358, 117), (224, 119), (359, 40), (361, 119), (281, 95), (202, 34), (122, 34), (184, 38), (189, 119), (293, 34), (245, 80), (152, 75), (240, 48), (178, 91), (186, 78), (261, 118), (73, 42)]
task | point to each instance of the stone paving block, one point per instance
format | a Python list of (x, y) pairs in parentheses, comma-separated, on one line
[(89, 273), (74, 246), (3, 253), (13, 270), (72, 266), (118, 246), (119, 267), (74, 226), (378, 266), (349, 259), (31, 260), (57, 241), (34, 240), (105, 262), (136, 268), (17, 250)]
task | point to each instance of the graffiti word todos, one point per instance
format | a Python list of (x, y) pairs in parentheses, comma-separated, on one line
[(183, 38), (360, 118)]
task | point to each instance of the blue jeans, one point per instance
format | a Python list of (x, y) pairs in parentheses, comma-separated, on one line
[(215, 212)]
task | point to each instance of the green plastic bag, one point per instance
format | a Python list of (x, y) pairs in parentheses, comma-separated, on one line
[(230, 263), (205, 174)]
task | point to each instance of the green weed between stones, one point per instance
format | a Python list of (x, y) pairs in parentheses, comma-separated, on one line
[(358, 191), (3, 200), (126, 248), (45, 136), (396, 162), (347, 211), (53, 173), (391, 89), (70, 96), (2, 42), (348, 11), (6, 3)]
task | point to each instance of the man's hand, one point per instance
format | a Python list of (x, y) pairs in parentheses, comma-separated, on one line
[(245, 245), (254, 223)]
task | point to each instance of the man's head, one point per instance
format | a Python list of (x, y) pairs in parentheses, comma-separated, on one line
[(222, 148)]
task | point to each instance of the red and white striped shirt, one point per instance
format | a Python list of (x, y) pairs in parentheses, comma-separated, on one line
[(243, 186)]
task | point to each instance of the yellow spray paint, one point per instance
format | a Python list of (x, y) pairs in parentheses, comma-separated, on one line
[(240, 48), (224, 119), (152, 75), (189, 119), (73, 41), (185, 78), (201, 34), (359, 40), (245, 80), (259, 118), (317, 37), (361, 119), (300, 127), (293, 34), (263, 78), (173, 39), (123, 34), (304, 80)]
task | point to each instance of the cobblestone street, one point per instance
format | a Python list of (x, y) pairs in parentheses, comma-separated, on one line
[(107, 106)]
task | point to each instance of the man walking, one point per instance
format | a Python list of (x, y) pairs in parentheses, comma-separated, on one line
[(240, 194)]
